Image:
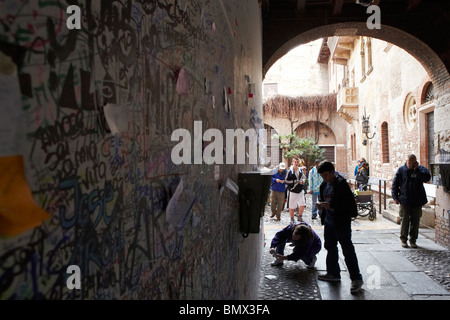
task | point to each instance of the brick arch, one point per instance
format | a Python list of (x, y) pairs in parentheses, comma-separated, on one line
[(414, 46), (325, 133)]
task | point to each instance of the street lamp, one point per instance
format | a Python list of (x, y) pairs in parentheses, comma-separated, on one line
[(366, 127)]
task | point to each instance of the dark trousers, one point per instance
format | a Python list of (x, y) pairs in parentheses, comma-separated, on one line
[(410, 222), (343, 235)]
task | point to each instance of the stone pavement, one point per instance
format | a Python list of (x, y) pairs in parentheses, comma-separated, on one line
[(390, 272)]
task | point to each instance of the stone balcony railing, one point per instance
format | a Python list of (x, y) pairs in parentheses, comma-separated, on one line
[(348, 103)]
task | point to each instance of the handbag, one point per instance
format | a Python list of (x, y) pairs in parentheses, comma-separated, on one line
[(295, 186)]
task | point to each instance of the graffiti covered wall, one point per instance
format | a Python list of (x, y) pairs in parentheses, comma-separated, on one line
[(93, 126)]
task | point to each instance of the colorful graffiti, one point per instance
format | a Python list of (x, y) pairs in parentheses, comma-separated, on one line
[(106, 192)]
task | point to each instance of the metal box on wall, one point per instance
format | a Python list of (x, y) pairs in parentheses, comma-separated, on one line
[(253, 193)]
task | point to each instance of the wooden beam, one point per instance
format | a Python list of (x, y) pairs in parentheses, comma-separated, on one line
[(346, 45), (337, 7), (342, 54)]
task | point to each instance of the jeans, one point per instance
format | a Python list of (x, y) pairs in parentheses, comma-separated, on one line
[(314, 209), (343, 235), (410, 222)]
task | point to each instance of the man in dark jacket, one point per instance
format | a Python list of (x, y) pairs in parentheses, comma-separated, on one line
[(408, 190), (337, 202)]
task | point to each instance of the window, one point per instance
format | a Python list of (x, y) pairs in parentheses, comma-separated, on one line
[(430, 136), (428, 95), (363, 58), (270, 89), (369, 56), (385, 142), (273, 151), (410, 112)]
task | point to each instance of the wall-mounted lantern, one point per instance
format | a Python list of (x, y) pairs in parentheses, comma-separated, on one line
[(366, 127)]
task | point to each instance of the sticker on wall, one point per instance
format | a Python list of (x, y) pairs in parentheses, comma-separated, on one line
[(179, 205), (216, 173), (225, 100), (251, 90), (230, 184), (208, 86), (183, 83), (116, 117), (18, 210)]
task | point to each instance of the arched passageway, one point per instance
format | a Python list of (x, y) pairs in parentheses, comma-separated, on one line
[(438, 76)]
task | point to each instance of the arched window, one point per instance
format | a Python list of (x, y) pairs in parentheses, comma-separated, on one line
[(385, 142), (428, 95)]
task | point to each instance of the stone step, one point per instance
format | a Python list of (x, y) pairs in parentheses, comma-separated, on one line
[(391, 215), (426, 221)]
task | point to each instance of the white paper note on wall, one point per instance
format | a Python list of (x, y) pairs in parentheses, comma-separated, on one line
[(116, 117), (179, 205)]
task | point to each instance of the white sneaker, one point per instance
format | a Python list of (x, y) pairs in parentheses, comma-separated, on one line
[(277, 262), (312, 263)]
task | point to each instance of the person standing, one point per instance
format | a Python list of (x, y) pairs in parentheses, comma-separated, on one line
[(296, 195), (315, 180), (409, 192), (363, 177), (357, 168), (337, 202), (277, 188)]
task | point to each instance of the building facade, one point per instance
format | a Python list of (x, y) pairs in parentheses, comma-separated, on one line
[(381, 83)]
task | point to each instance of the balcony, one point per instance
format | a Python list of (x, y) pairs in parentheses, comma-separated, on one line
[(347, 103), (341, 48)]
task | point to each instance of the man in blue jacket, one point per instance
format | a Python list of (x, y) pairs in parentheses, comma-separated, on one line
[(408, 190), (277, 189)]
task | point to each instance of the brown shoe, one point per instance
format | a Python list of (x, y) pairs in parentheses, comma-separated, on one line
[(413, 245), (404, 244)]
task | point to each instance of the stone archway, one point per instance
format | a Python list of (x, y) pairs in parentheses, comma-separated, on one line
[(432, 64)]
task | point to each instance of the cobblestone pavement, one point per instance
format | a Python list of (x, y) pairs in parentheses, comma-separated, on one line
[(436, 264), (293, 281)]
